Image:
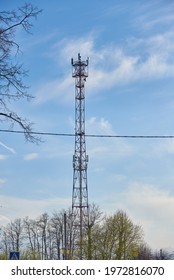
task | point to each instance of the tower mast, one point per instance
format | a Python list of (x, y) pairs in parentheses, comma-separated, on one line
[(80, 208)]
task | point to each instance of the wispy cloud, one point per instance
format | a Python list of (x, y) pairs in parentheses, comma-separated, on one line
[(31, 156), (8, 148), (151, 14), (111, 65), (162, 148)]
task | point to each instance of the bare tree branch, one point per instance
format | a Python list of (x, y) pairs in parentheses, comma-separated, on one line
[(12, 73), (23, 123)]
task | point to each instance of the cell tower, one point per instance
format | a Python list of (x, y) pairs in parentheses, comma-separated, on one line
[(80, 209)]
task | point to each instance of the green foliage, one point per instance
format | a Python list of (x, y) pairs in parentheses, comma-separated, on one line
[(30, 255), (3, 256), (117, 237)]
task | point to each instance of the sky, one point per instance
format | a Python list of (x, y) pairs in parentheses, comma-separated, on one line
[(129, 91)]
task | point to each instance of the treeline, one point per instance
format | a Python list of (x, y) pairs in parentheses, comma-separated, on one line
[(113, 237)]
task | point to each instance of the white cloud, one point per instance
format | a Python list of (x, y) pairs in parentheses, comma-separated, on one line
[(98, 126), (149, 206), (105, 148), (2, 181), (69, 48), (31, 156), (109, 66), (13, 207), (2, 157), (155, 208), (4, 220)]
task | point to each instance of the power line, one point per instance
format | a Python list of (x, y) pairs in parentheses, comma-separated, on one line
[(89, 135), (37, 133)]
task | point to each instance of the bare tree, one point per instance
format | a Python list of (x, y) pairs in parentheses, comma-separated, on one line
[(12, 237), (43, 225), (163, 255), (12, 87), (144, 252), (63, 242), (57, 233), (4, 244), (32, 239)]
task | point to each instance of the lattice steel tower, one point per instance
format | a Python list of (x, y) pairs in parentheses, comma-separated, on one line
[(80, 209)]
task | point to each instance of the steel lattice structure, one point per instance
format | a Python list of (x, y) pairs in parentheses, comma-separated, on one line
[(80, 209)]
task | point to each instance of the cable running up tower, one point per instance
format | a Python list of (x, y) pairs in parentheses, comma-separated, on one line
[(80, 209)]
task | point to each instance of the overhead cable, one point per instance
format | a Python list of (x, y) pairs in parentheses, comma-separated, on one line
[(89, 135)]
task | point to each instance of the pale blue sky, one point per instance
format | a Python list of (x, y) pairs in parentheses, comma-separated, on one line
[(129, 91)]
